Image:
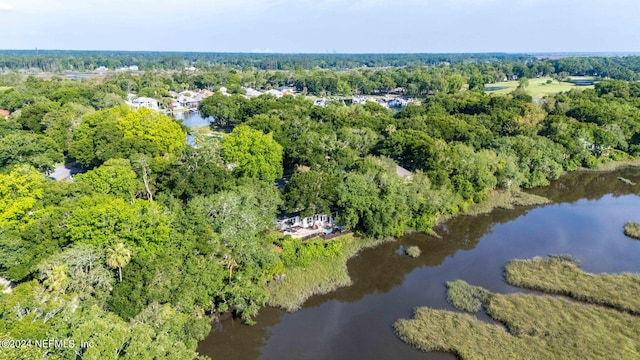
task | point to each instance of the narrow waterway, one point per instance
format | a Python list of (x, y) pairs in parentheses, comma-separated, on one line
[(585, 220)]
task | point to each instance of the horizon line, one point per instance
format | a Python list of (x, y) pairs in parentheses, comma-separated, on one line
[(333, 53)]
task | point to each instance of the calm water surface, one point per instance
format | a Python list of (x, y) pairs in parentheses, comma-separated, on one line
[(585, 220), (192, 119)]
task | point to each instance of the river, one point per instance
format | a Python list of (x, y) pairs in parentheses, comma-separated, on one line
[(585, 220)]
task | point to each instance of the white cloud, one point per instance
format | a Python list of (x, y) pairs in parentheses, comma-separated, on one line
[(5, 7)]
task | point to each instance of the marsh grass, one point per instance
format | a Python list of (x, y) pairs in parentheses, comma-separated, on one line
[(320, 276), (497, 199), (506, 199), (537, 327), (626, 181), (467, 297), (559, 276), (632, 230), (413, 251), (615, 165)]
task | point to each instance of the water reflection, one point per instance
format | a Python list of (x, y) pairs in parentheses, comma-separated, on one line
[(192, 119), (355, 322)]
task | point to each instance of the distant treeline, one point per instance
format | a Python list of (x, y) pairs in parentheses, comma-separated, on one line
[(60, 60), (520, 65)]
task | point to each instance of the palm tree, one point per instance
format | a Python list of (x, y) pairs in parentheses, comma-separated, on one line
[(57, 279), (118, 257)]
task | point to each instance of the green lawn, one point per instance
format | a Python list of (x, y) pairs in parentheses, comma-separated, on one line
[(538, 87)]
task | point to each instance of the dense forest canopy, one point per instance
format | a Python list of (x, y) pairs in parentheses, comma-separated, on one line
[(621, 67), (156, 235)]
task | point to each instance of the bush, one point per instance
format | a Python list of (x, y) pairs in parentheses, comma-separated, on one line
[(298, 253), (413, 251)]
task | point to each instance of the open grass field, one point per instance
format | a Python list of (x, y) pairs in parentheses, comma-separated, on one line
[(533, 326), (3, 88), (319, 277), (538, 87)]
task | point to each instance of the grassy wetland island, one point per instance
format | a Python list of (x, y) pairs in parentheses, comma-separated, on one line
[(215, 205)]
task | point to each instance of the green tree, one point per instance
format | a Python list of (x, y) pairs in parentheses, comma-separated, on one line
[(253, 154), (118, 257), (311, 192), (115, 177), (121, 132), (20, 193), (26, 148), (142, 226), (225, 109)]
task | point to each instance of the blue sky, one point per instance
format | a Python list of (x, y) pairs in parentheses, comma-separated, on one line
[(323, 26)]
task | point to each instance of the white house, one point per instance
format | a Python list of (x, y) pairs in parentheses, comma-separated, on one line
[(359, 100), (274, 92), (133, 68), (145, 102), (317, 221), (176, 106), (320, 102), (287, 90), (249, 92), (398, 102)]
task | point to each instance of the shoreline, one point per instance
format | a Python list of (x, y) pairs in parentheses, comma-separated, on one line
[(323, 276)]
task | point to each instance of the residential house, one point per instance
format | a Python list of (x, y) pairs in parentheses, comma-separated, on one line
[(249, 92), (403, 173), (294, 221), (274, 92), (205, 92), (287, 90), (133, 68), (398, 103), (359, 100), (145, 102), (194, 101), (176, 106), (5, 114), (320, 102)]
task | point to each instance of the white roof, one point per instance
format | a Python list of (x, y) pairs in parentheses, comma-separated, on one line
[(144, 100)]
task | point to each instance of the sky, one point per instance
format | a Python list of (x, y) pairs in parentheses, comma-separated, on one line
[(323, 26)]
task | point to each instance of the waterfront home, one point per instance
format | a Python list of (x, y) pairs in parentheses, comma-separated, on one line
[(306, 227), (144, 102), (176, 106)]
